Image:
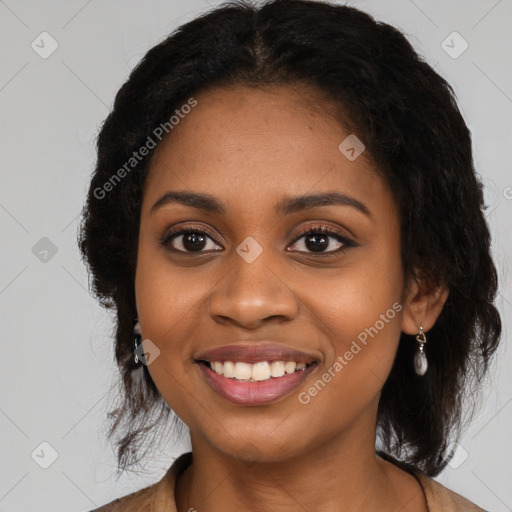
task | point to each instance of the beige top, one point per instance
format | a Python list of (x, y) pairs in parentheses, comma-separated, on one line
[(159, 497)]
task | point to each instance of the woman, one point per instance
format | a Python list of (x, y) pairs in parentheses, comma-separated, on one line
[(286, 220)]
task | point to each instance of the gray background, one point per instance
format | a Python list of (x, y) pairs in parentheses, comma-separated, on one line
[(57, 349)]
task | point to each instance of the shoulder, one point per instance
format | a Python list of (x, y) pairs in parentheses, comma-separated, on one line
[(139, 501), (158, 496), (439, 498), (442, 499)]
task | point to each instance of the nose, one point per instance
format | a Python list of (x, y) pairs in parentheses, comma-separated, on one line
[(252, 294)]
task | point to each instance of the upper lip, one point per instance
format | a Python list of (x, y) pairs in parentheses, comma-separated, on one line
[(255, 352)]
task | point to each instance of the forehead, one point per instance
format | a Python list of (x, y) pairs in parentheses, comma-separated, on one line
[(246, 142)]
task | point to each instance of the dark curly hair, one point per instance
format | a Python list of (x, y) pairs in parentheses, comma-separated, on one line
[(407, 116)]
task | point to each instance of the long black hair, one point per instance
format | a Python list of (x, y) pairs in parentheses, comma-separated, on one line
[(407, 116)]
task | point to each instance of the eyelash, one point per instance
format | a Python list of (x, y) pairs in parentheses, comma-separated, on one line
[(324, 230)]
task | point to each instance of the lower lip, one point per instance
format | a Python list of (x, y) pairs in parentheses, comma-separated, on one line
[(255, 393)]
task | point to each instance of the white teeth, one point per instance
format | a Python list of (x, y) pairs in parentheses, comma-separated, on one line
[(243, 371), (262, 370), (277, 369), (218, 367), (229, 369), (290, 366)]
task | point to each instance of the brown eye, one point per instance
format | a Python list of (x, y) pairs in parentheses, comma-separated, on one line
[(318, 240), (188, 241)]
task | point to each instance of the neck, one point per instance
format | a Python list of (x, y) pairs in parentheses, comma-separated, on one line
[(342, 474)]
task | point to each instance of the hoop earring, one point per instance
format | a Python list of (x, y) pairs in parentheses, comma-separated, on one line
[(420, 359), (137, 339)]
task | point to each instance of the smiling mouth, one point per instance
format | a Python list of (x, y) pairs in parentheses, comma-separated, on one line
[(255, 372), (274, 379)]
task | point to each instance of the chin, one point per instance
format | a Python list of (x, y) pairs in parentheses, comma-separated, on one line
[(258, 446)]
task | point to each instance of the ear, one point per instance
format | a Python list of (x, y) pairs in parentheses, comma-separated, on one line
[(423, 305)]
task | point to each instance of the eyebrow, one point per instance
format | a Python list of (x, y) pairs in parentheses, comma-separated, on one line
[(208, 203)]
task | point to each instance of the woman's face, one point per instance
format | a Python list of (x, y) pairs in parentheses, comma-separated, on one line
[(247, 278)]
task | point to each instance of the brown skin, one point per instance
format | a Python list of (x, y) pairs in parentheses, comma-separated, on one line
[(249, 148)]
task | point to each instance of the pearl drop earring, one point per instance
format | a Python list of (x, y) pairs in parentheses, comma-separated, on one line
[(420, 359)]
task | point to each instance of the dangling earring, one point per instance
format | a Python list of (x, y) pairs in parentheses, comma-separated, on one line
[(420, 359), (137, 339)]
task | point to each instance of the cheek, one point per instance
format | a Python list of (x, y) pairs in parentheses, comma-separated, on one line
[(359, 311), (167, 307), (163, 300)]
